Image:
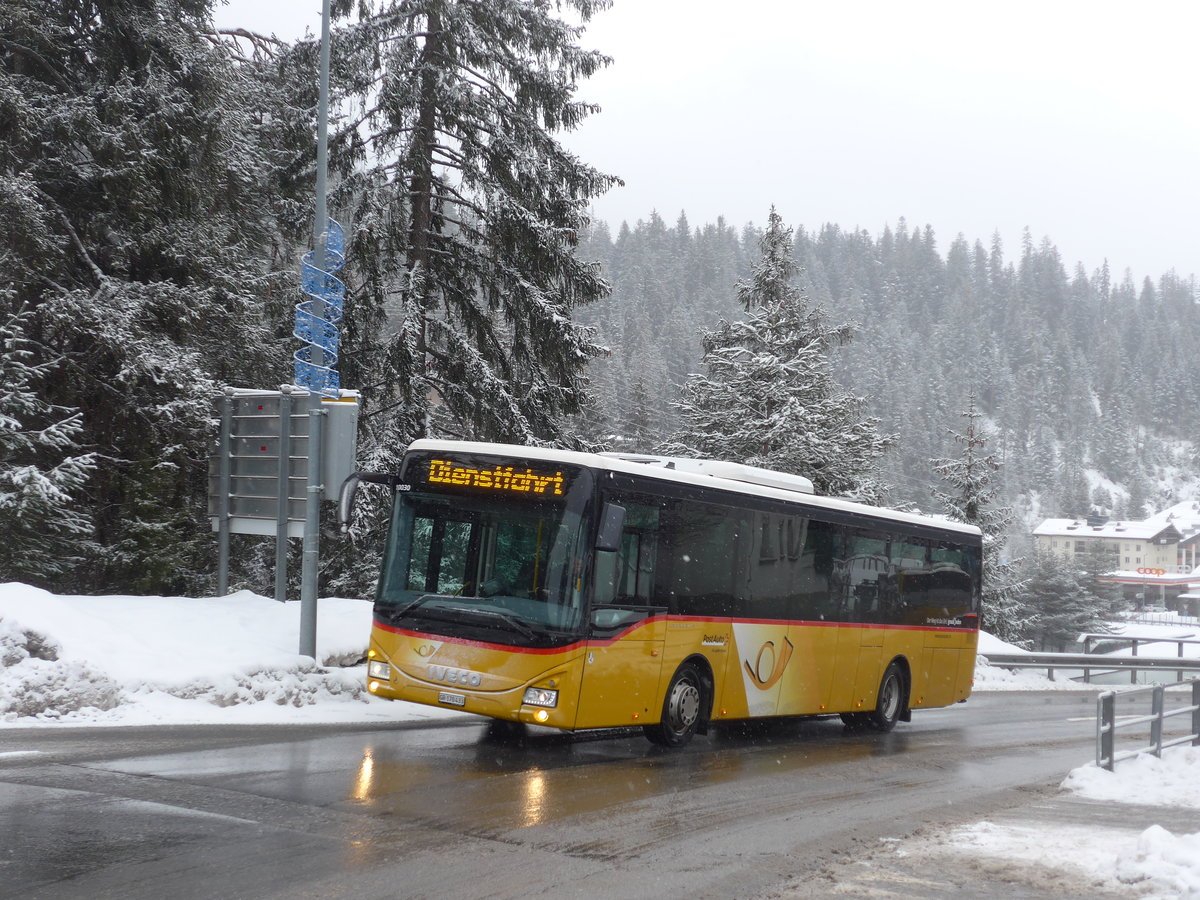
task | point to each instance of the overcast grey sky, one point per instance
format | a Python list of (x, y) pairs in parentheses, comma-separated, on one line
[(1075, 119)]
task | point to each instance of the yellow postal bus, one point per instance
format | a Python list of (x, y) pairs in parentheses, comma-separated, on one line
[(579, 590)]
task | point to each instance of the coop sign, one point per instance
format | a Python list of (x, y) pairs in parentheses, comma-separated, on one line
[(499, 478), (1152, 571)]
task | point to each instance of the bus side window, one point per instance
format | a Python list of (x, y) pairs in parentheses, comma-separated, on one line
[(627, 575), (955, 582), (606, 577), (910, 583), (640, 552), (709, 559), (867, 571), (812, 588)]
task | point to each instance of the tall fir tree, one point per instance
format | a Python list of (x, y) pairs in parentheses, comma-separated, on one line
[(143, 196), (468, 212), (971, 497), (769, 398)]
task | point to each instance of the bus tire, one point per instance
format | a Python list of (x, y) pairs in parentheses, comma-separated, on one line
[(681, 710), (889, 702)]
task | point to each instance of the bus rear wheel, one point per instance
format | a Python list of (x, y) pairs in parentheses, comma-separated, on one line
[(681, 709), (889, 703)]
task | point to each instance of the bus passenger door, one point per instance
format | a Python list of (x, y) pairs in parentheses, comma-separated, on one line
[(860, 588), (620, 676), (624, 654)]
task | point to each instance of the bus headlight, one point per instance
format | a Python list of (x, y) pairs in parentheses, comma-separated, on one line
[(380, 670), (540, 697)]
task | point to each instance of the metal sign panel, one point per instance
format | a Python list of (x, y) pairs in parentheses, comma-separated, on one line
[(248, 492)]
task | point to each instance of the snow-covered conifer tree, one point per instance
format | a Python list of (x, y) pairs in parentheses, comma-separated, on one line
[(41, 468), (970, 497), (468, 211), (145, 180), (768, 397), (1065, 601)]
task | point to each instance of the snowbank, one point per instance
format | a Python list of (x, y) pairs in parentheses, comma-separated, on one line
[(1172, 780), (989, 643), (1077, 859), (1153, 865), (153, 660), (997, 678), (1157, 862)]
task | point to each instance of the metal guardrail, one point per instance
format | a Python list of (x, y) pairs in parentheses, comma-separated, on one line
[(1107, 724), (1092, 640), (1093, 664), (1174, 619)]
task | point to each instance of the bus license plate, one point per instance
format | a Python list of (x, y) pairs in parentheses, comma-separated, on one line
[(452, 699)]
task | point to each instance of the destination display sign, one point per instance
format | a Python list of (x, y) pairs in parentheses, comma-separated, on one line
[(500, 478)]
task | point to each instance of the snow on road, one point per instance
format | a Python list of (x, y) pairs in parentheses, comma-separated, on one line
[(1073, 860), (1106, 857), (102, 661)]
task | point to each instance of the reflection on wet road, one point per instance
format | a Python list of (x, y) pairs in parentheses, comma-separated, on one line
[(547, 779), (460, 811)]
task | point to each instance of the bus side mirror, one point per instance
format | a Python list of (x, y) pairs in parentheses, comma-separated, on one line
[(349, 490), (612, 524)]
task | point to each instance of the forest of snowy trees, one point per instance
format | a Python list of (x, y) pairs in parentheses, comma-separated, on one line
[(1085, 379), (156, 189), (155, 192)]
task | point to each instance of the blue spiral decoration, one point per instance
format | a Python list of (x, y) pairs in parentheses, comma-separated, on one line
[(321, 332)]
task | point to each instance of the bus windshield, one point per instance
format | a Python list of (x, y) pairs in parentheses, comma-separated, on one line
[(487, 566)]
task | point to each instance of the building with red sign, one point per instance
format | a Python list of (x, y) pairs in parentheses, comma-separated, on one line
[(1156, 558)]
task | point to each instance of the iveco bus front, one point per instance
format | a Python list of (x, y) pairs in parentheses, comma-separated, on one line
[(480, 604)]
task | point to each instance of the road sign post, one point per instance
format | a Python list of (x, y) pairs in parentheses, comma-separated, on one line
[(258, 481)]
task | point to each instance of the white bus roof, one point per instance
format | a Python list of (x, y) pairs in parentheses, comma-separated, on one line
[(727, 476)]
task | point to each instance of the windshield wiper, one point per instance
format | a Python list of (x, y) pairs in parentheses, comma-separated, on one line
[(456, 613), (517, 624), (395, 614)]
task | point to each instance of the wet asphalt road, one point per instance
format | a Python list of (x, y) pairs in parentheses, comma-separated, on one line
[(449, 811)]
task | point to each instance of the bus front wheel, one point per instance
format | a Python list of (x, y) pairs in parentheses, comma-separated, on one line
[(888, 706), (681, 709)]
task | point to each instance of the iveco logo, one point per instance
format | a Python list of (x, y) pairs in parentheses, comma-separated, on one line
[(455, 676)]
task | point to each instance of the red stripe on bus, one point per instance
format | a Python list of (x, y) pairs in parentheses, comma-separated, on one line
[(817, 623)]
